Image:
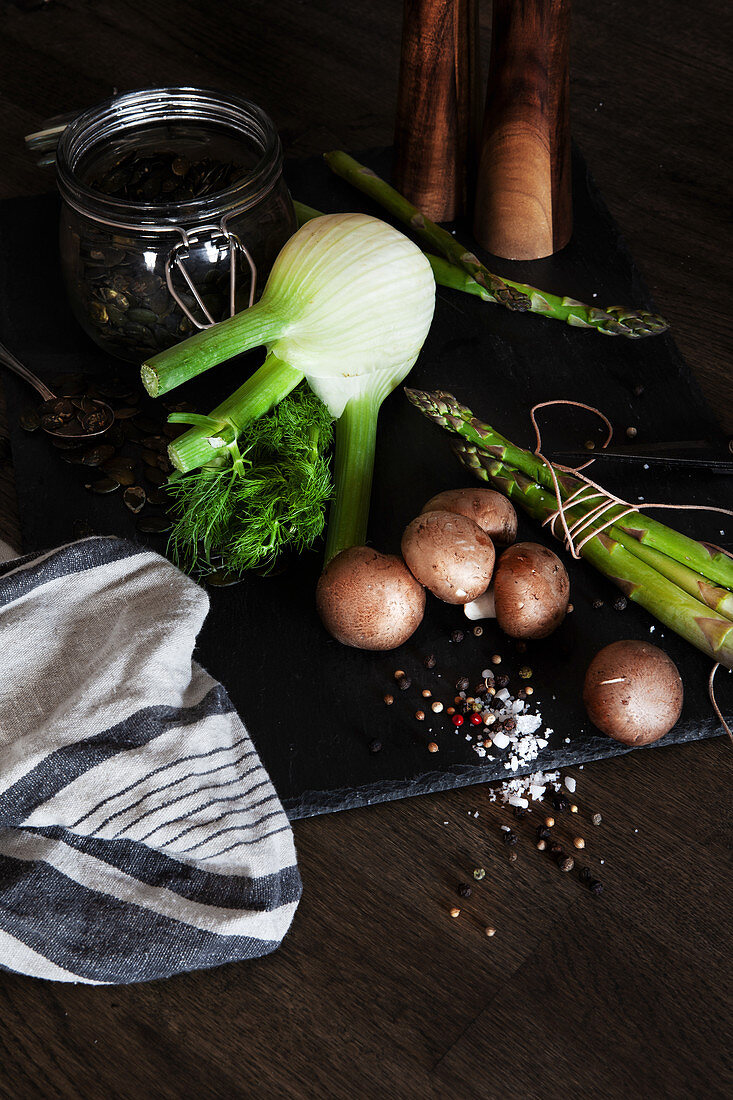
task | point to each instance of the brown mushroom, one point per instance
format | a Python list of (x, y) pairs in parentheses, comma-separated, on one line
[(450, 555), (490, 510), (531, 591), (633, 692), (369, 600)]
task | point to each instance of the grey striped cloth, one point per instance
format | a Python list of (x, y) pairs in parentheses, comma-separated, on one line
[(139, 833)]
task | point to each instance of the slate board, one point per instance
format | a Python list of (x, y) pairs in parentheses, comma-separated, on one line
[(311, 705)]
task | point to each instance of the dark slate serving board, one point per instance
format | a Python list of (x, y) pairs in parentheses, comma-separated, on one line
[(313, 706)]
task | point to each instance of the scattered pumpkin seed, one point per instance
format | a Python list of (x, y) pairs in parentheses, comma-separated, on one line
[(134, 498)]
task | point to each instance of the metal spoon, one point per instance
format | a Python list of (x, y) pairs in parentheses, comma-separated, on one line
[(98, 413)]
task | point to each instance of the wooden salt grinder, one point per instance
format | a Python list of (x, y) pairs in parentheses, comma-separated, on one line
[(523, 204), (438, 106)]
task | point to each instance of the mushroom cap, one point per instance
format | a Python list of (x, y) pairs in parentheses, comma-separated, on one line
[(633, 692), (490, 510), (450, 555), (531, 591), (369, 600)]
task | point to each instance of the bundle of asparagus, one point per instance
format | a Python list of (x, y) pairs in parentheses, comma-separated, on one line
[(686, 585), (459, 269)]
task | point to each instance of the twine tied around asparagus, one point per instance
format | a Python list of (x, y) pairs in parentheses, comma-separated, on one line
[(608, 501)]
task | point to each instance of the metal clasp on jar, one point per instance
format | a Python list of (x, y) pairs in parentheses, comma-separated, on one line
[(221, 238)]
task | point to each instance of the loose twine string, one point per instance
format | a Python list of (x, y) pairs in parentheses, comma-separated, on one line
[(587, 527)]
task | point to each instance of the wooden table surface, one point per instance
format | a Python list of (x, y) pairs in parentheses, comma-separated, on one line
[(377, 992)]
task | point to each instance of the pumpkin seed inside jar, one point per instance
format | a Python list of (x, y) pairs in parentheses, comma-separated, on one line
[(139, 197)]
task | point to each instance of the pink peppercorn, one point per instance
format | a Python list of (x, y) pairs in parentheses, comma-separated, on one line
[(476, 720), (457, 719)]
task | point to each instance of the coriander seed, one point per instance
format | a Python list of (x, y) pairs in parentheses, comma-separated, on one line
[(420, 715), (573, 808), (426, 693), (496, 659), (529, 690), (490, 931), (436, 707), (432, 747), (455, 911), (389, 700), (549, 822), (398, 674), (541, 845), (578, 842)]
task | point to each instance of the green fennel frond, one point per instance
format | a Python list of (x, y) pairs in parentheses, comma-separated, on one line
[(269, 495)]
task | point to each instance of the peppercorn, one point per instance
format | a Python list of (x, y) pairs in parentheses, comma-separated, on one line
[(426, 693), (570, 609), (464, 890), (520, 812), (525, 673), (549, 822), (631, 433), (543, 833), (429, 661), (389, 700), (620, 603), (578, 842), (596, 819), (450, 710), (573, 808), (509, 838), (375, 746), (463, 684), (405, 682), (566, 864), (510, 724), (457, 720), (436, 707), (585, 876), (556, 849), (597, 605), (502, 681), (398, 674), (479, 873), (596, 887), (432, 747), (541, 845), (476, 719), (478, 631), (496, 659), (457, 636), (455, 911), (420, 715), (560, 803), (522, 694), (512, 857), (529, 690), (490, 931)]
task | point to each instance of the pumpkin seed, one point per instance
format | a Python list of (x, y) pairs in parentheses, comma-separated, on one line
[(104, 485), (154, 525), (121, 469), (134, 497)]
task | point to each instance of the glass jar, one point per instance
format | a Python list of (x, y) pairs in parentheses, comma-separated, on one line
[(142, 270)]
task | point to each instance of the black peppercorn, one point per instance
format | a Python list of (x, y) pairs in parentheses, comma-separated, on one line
[(597, 605), (464, 890), (510, 724), (543, 833), (429, 661), (502, 680), (556, 850), (620, 603), (566, 864), (560, 803), (585, 876), (457, 636), (596, 887), (463, 684), (509, 837), (405, 682), (520, 813), (375, 746)]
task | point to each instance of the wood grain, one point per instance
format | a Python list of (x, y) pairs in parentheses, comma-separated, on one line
[(376, 992), (523, 201), (436, 127)]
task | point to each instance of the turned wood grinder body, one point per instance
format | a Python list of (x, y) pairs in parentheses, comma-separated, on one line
[(514, 176)]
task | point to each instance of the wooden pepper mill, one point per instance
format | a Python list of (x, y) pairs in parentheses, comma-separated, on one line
[(438, 106), (523, 203)]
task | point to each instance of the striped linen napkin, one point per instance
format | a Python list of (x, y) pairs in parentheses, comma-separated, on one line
[(140, 836)]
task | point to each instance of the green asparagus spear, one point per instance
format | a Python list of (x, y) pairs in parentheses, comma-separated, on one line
[(613, 321), (711, 563), (703, 627)]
